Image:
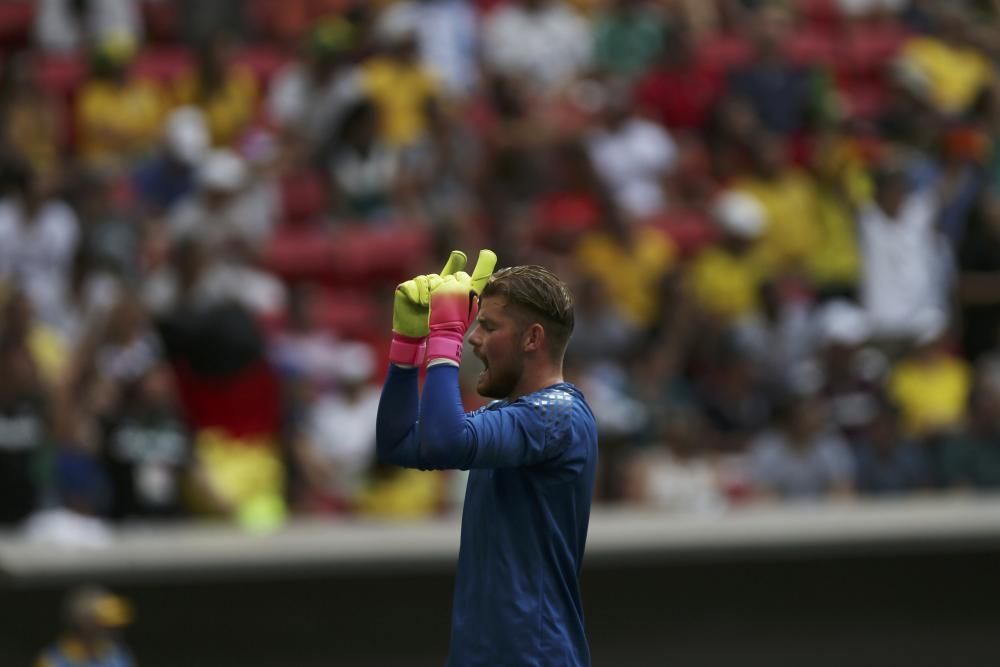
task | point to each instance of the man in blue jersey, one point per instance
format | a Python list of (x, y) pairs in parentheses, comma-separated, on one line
[(532, 454)]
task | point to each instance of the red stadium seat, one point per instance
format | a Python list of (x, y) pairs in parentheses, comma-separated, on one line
[(824, 13), (59, 75), (348, 313), (304, 197), (722, 52), (164, 64), (811, 46), (263, 61), (864, 51), (690, 230), (864, 99), (349, 257)]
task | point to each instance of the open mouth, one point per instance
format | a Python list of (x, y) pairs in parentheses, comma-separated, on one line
[(486, 367)]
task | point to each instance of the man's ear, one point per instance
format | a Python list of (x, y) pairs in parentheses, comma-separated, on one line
[(534, 338)]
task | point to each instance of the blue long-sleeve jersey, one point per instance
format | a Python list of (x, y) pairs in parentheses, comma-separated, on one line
[(527, 506)]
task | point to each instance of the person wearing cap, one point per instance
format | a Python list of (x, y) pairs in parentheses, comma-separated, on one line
[(92, 618), (725, 278), (118, 116), (222, 210)]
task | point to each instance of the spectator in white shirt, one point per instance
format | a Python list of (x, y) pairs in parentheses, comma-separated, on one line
[(38, 239), (67, 25), (309, 95), (447, 36), (907, 265), (544, 42), (632, 155)]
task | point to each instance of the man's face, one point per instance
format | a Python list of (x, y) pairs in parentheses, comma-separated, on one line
[(498, 343)]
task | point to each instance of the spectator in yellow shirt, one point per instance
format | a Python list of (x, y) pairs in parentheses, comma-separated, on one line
[(31, 120), (931, 386), (725, 278), (405, 92), (632, 264), (118, 117), (840, 183), (788, 197), (947, 70), (226, 94)]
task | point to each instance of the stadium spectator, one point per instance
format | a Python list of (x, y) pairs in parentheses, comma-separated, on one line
[(779, 91), (25, 429), (118, 115), (147, 449), (930, 384), (365, 171), (725, 278), (225, 92), (791, 235), (946, 67), (888, 462), (632, 263), (92, 618), (628, 37), (801, 459), (852, 371), (541, 44), (66, 26), (32, 121), (405, 92), (906, 263), (309, 96), (338, 446), (38, 238), (680, 89), (447, 33), (632, 155), (971, 459), (676, 473), (169, 175), (223, 211)]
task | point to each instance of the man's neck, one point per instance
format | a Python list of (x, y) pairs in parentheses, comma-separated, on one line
[(543, 376)]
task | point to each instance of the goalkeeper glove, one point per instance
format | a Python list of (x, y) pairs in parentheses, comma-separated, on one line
[(454, 303), (410, 311)]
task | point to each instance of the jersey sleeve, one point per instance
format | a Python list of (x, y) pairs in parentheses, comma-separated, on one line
[(396, 422), (529, 431)]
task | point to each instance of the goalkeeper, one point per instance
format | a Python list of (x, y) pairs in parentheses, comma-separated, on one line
[(532, 453)]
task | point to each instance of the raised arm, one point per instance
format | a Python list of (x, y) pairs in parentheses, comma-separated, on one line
[(395, 426)]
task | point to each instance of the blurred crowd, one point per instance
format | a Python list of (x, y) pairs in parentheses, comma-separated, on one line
[(780, 219)]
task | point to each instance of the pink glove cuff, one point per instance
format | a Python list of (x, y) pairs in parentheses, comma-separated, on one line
[(407, 350), (445, 344)]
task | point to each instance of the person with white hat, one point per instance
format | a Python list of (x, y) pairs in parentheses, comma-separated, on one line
[(725, 278)]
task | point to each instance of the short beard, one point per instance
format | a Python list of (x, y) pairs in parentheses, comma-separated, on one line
[(501, 387)]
